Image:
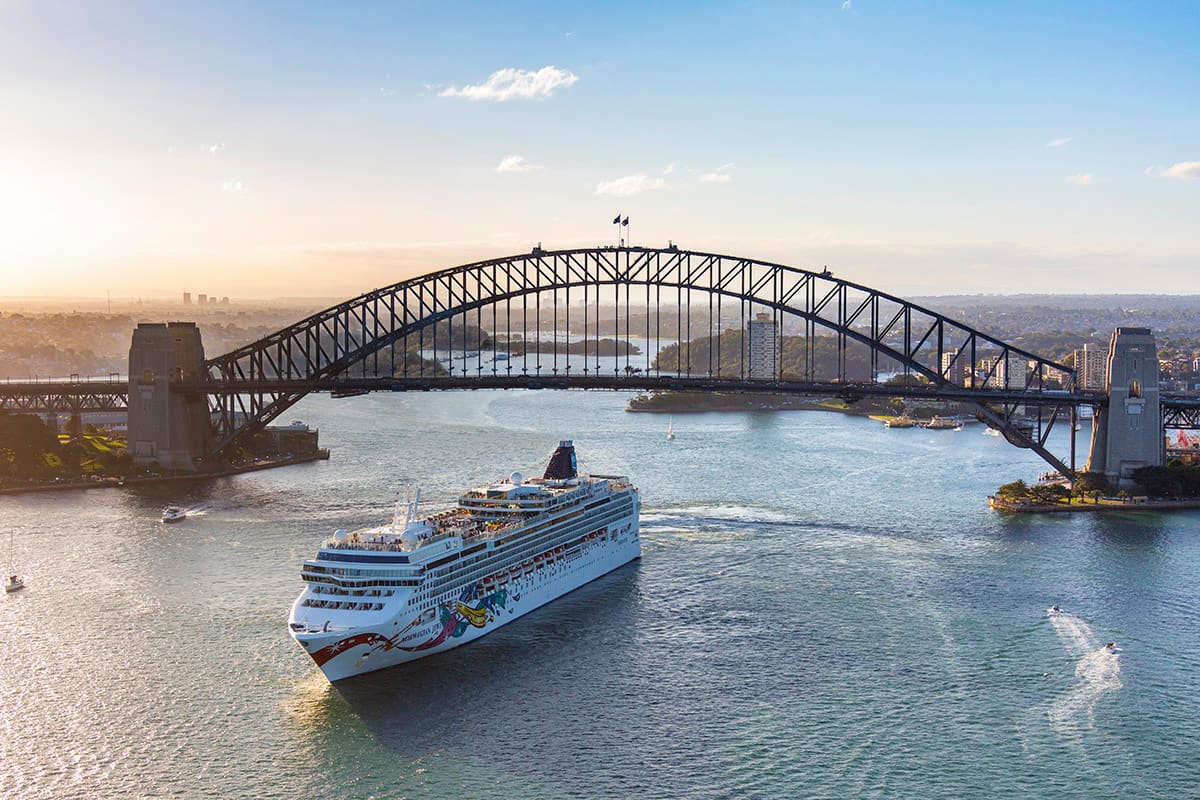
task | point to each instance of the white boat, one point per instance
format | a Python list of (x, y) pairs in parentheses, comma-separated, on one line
[(670, 429), (384, 595), (174, 514), (14, 581)]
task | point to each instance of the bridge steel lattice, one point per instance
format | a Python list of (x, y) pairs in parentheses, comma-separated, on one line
[(584, 308), (63, 397)]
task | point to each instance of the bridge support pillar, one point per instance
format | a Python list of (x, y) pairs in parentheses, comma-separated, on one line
[(167, 429), (1127, 434)]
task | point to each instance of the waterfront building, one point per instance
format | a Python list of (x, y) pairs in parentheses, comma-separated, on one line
[(187, 298), (1091, 367), (763, 338)]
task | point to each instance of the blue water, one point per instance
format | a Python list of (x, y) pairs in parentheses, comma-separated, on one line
[(824, 608)]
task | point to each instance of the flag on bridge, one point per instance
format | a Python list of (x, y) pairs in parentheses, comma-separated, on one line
[(625, 221), (617, 219)]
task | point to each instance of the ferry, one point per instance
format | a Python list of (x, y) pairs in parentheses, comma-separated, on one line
[(385, 595)]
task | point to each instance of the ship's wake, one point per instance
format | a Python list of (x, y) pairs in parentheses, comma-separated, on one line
[(1097, 673)]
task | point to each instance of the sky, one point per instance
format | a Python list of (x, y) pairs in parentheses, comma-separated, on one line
[(315, 149)]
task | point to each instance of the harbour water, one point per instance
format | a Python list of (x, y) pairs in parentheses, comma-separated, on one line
[(824, 608)]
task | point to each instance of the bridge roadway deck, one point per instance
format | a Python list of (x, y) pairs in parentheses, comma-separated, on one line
[(619, 382), (110, 395)]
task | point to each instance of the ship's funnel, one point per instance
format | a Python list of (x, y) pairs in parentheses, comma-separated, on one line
[(562, 463)]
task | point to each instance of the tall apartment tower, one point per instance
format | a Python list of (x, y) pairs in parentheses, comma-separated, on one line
[(201, 299), (1091, 367), (187, 298), (763, 338), (1006, 373), (956, 367)]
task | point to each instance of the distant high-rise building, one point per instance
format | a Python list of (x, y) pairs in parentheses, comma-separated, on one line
[(763, 339), (212, 301), (1005, 373), (201, 299), (224, 301), (187, 298), (955, 367), (1091, 367)]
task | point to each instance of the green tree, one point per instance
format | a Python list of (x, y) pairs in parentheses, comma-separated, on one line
[(24, 441), (1090, 484), (1015, 491)]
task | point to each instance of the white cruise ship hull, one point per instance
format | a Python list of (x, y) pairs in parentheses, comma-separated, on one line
[(416, 633)]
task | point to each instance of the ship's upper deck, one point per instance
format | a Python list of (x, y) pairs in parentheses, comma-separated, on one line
[(484, 513)]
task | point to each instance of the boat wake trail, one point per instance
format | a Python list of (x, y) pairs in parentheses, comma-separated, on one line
[(1097, 672)]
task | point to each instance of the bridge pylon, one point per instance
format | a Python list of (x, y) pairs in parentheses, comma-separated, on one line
[(1128, 433), (167, 428)]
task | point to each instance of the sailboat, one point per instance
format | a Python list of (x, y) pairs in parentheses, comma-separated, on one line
[(14, 581), (670, 429)]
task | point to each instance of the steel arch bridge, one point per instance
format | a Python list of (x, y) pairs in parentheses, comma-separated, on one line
[(563, 318)]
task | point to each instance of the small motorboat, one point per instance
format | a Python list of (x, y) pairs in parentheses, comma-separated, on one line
[(174, 514), (1053, 610)]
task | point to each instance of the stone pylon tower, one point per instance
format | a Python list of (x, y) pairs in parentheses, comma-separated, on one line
[(166, 428), (1128, 433)]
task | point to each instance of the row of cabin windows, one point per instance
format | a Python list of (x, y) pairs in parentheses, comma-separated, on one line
[(319, 589), (317, 579), (347, 572), (344, 605)]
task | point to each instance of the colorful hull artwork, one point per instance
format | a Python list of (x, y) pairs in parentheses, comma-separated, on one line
[(454, 619)]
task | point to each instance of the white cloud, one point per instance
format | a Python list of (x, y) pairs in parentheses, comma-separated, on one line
[(233, 186), (1150, 170), (669, 168), (1059, 142), (719, 175), (509, 83), (1184, 170), (514, 164), (1082, 179), (846, 5), (630, 185), (216, 148)]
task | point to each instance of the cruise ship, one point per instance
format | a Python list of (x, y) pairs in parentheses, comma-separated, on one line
[(381, 596)]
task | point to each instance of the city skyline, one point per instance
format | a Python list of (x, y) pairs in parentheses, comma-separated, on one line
[(281, 150)]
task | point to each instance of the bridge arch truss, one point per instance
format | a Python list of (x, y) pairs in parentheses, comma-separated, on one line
[(568, 301)]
